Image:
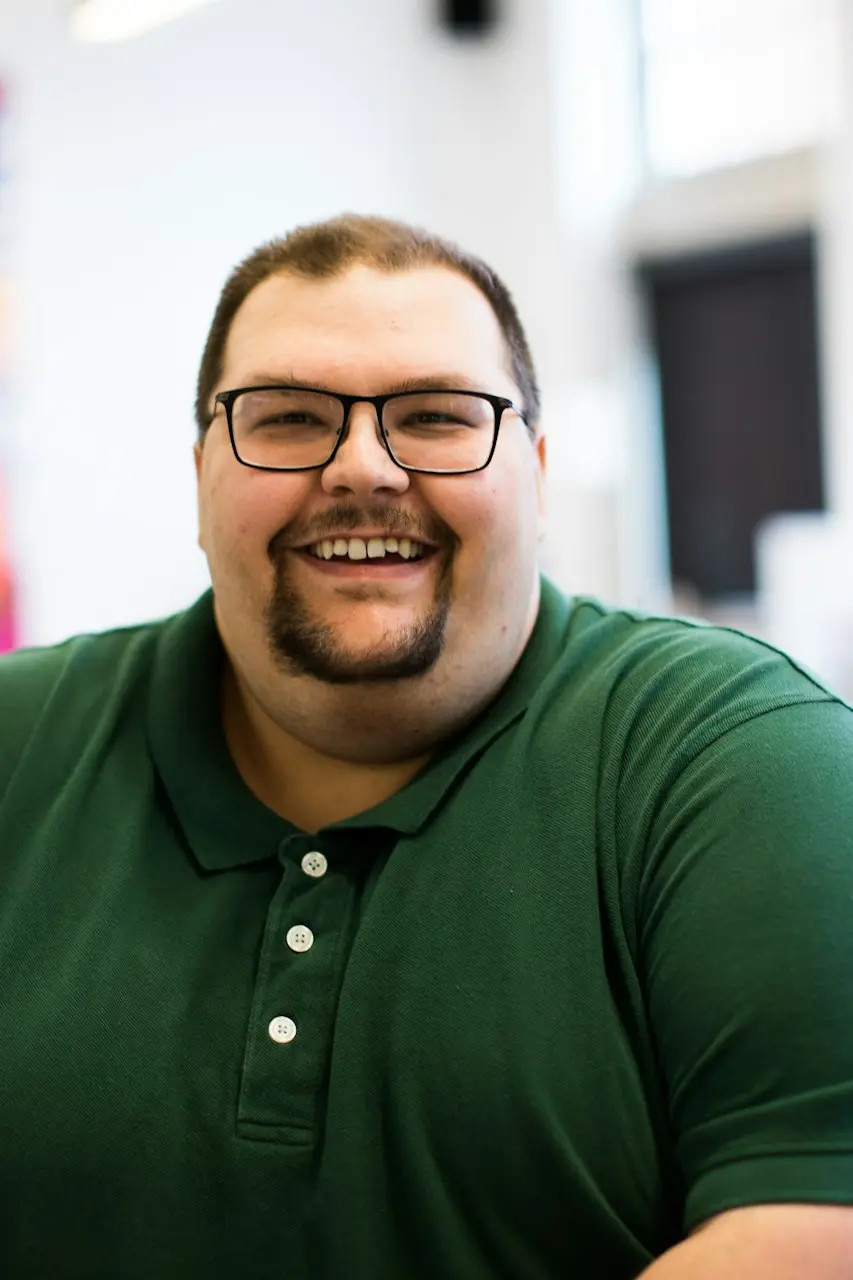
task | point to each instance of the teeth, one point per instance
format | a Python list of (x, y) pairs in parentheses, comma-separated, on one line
[(371, 548)]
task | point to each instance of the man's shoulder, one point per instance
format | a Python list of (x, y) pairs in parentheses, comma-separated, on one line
[(33, 671), (632, 681), (72, 684), (627, 701)]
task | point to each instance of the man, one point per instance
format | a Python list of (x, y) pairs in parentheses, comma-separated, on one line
[(387, 914)]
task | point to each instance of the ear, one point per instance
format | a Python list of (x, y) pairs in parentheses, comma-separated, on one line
[(198, 458), (541, 488)]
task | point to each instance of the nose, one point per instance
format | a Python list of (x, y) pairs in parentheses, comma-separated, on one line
[(362, 465)]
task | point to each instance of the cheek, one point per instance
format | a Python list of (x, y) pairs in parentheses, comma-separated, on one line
[(239, 517), (489, 523), (494, 515)]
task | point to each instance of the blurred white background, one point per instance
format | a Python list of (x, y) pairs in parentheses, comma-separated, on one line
[(575, 141)]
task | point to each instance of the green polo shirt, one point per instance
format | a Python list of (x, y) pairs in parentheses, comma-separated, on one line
[(585, 981)]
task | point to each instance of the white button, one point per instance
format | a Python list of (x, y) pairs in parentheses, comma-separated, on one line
[(315, 864), (282, 1030), (300, 938)]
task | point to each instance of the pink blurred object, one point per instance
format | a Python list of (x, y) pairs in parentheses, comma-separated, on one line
[(8, 637), (8, 630)]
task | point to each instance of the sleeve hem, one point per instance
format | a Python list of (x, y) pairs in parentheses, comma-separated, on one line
[(804, 1178)]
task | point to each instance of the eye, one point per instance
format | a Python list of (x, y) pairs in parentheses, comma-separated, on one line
[(295, 417), (285, 410), (425, 418)]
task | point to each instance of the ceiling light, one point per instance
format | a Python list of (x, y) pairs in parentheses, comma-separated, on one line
[(107, 20)]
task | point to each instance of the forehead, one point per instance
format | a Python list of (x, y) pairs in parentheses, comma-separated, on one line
[(365, 328)]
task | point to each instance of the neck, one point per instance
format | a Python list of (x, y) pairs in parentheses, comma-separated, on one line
[(305, 786), (318, 754)]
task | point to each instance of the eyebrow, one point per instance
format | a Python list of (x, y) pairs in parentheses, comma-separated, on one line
[(432, 382)]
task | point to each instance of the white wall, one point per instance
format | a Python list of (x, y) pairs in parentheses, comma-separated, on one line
[(141, 172)]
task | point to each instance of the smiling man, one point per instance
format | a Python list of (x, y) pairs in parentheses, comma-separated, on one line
[(374, 556), (386, 914)]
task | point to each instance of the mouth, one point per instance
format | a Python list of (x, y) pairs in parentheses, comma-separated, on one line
[(368, 557)]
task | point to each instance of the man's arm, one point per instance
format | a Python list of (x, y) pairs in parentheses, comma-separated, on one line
[(765, 1242)]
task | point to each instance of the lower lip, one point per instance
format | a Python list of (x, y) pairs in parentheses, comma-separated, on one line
[(377, 568)]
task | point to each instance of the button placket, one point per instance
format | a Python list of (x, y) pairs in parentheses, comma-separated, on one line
[(298, 977)]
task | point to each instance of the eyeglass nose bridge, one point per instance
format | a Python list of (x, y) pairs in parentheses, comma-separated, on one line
[(349, 403)]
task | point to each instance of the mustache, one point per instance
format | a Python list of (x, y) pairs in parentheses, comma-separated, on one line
[(396, 521)]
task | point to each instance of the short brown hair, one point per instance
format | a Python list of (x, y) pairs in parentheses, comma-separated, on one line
[(327, 248)]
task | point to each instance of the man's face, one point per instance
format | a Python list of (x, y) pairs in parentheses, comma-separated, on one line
[(456, 610)]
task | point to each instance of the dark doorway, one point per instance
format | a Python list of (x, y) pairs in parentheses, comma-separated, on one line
[(736, 340)]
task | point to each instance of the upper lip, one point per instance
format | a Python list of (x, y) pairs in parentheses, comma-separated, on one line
[(366, 535)]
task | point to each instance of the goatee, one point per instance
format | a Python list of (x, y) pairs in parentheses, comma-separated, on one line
[(302, 643)]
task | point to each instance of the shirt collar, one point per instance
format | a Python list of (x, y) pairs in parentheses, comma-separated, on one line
[(224, 823)]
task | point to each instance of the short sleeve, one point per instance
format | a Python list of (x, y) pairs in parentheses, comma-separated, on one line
[(746, 945)]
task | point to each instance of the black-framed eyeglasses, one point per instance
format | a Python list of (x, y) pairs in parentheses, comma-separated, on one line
[(441, 432)]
